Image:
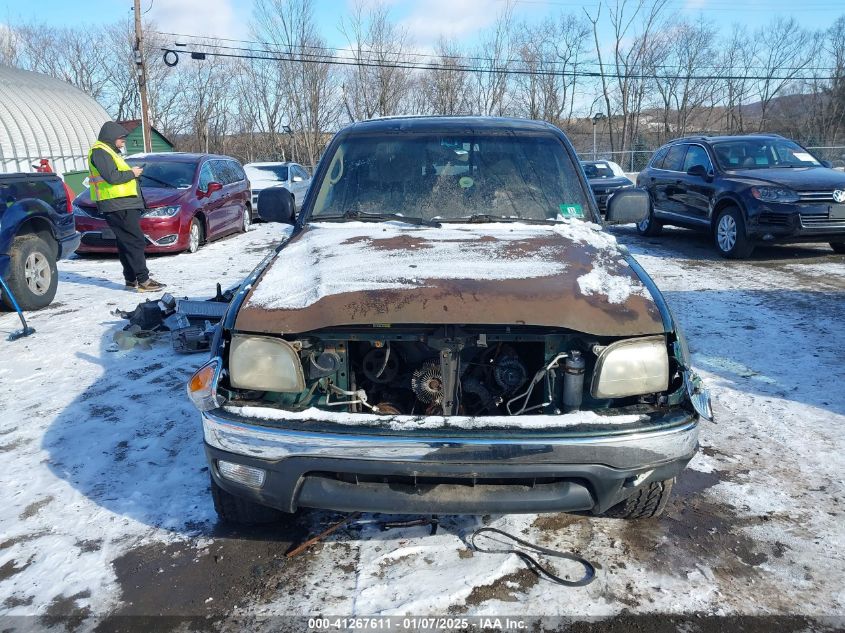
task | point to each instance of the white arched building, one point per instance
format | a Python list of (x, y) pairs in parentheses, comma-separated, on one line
[(44, 117)]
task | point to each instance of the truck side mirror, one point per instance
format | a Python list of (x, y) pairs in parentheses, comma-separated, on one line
[(275, 204), (627, 206)]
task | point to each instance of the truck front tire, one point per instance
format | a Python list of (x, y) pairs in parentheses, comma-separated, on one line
[(32, 276)]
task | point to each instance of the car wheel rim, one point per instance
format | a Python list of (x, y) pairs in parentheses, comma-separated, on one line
[(194, 243), (37, 273), (726, 233), (643, 225), (246, 220)]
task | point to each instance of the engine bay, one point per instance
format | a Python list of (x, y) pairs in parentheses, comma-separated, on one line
[(445, 371)]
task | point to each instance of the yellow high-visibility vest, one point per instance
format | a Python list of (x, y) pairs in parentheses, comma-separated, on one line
[(102, 190)]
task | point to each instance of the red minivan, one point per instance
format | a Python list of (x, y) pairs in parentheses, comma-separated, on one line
[(189, 199)]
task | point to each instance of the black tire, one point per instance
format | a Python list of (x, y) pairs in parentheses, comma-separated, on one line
[(239, 511), (730, 239), (651, 226), (647, 502), (838, 247), (32, 276), (194, 244)]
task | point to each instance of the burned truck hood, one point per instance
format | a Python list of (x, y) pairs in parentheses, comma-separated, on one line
[(569, 275)]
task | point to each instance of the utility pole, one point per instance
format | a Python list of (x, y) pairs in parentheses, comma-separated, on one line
[(141, 71)]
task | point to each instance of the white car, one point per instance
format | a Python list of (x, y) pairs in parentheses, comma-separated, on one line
[(292, 176)]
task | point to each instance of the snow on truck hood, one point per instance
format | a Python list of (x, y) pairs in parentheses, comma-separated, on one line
[(568, 275)]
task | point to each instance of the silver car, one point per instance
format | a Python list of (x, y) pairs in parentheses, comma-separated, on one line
[(292, 176)]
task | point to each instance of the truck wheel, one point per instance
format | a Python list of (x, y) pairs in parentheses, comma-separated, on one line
[(32, 276), (232, 509), (647, 502), (838, 247), (729, 235)]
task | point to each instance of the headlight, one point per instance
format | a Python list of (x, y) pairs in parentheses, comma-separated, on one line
[(77, 210), (162, 212), (631, 367), (774, 194), (265, 363)]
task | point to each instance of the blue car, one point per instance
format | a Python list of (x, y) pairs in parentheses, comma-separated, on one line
[(36, 229)]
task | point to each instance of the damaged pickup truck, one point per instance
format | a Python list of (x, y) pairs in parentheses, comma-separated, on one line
[(448, 329)]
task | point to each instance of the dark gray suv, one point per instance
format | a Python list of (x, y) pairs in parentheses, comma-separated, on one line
[(745, 190)]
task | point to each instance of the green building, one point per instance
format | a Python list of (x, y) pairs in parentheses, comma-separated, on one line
[(135, 140)]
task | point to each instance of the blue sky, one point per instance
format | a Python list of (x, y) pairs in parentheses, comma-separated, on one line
[(424, 19)]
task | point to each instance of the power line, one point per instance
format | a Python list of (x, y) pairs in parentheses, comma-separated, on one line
[(339, 61), (383, 53)]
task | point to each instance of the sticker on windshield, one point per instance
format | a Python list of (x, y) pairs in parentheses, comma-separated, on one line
[(571, 211), (466, 182), (804, 157)]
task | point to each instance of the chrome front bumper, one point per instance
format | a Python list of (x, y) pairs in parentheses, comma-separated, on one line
[(510, 472), (675, 438)]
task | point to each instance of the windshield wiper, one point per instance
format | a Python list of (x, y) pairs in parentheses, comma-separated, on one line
[(478, 218), (364, 216)]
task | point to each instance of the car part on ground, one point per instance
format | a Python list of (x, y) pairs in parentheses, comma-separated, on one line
[(490, 349), (192, 323), (744, 190)]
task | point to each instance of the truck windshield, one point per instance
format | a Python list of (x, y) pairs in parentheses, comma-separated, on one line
[(452, 178)]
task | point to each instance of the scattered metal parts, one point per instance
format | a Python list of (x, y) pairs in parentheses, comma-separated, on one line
[(432, 521)]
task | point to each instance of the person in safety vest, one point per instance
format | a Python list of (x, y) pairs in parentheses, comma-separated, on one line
[(113, 185)]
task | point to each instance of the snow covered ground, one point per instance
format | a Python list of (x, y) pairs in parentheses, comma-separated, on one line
[(104, 488)]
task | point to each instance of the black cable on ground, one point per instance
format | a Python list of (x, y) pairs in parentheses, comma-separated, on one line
[(536, 567)]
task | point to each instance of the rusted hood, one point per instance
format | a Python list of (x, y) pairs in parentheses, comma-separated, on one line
[(569, 275)]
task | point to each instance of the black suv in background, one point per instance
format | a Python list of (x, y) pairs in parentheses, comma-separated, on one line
[(36, 229), (745, 190)]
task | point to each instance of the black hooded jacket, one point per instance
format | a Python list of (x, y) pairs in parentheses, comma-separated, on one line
[(104, 163)]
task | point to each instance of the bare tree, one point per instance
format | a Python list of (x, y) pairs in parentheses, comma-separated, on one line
[(785, 51), (302, 88), (444, 89), (683, 78), (493, 59), (738, 54), (380, 81), (550, 53), (634, 25)]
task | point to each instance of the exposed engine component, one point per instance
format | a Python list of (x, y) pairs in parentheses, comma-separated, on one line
[(427, 383), (380, 366), (324, 364), (477, 398), (509, 372), (388, 408), (573, 381)]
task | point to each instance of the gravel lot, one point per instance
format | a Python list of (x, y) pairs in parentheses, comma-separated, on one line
[(106, 511)]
